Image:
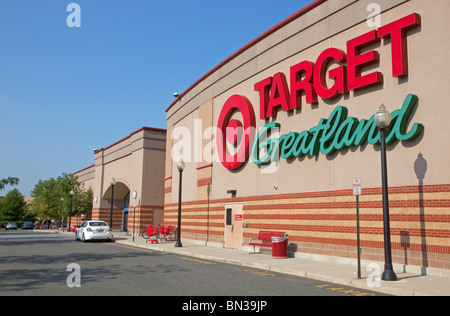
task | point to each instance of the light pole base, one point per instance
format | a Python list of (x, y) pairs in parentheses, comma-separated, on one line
[(389, 275), (178, 244)]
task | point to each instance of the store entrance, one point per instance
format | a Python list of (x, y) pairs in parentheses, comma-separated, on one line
[(126, 204), (125, 220)]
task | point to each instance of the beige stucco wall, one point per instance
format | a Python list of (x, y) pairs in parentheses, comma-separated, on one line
[(331, 25), (137, 164), (87, 177)]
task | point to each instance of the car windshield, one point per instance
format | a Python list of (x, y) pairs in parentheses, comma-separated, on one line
[(97, 224)]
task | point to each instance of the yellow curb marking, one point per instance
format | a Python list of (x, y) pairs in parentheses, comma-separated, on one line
[(197, 260)]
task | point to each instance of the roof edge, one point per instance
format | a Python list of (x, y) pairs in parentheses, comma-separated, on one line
[(272, 30), (153, 129), (74, 173)]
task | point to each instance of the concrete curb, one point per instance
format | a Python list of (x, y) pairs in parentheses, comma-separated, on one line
[(360, 284)]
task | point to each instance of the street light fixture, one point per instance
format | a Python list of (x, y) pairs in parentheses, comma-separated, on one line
[(180, 167), (70, 210), (382, 121), (113, 183)]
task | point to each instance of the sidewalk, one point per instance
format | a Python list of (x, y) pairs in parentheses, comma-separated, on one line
[(409, 284)]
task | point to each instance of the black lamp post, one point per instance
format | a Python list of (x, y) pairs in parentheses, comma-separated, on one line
[(70, 210), (382, 120), (134, 212), (62, 213), (180, 167), (113, 183)]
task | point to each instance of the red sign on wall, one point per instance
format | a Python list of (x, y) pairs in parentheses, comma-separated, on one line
[(357, 186), (238, 217)]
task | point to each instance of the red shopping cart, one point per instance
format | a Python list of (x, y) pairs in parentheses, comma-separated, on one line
[(152, 233), (156, 233), (166, 232)]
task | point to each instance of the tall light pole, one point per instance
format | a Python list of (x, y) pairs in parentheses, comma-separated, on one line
[(180, 167), (382, 120), (62, 214), (134, 211), (113, 183), (70, 210)]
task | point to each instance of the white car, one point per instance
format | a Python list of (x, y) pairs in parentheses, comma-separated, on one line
[(94, 230)]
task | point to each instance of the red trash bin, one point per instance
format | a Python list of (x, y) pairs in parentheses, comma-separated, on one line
[(279, 247)]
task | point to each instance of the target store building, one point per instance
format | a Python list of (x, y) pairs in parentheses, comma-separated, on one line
[(275, 136)]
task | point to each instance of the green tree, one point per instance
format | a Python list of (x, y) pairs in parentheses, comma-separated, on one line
[(8, 181), (45, 201), (13, 207), (52, 197)]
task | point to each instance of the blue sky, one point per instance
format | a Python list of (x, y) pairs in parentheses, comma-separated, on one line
[(65, 91)]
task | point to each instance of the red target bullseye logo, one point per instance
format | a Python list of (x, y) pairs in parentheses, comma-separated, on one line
[(233, 131)]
